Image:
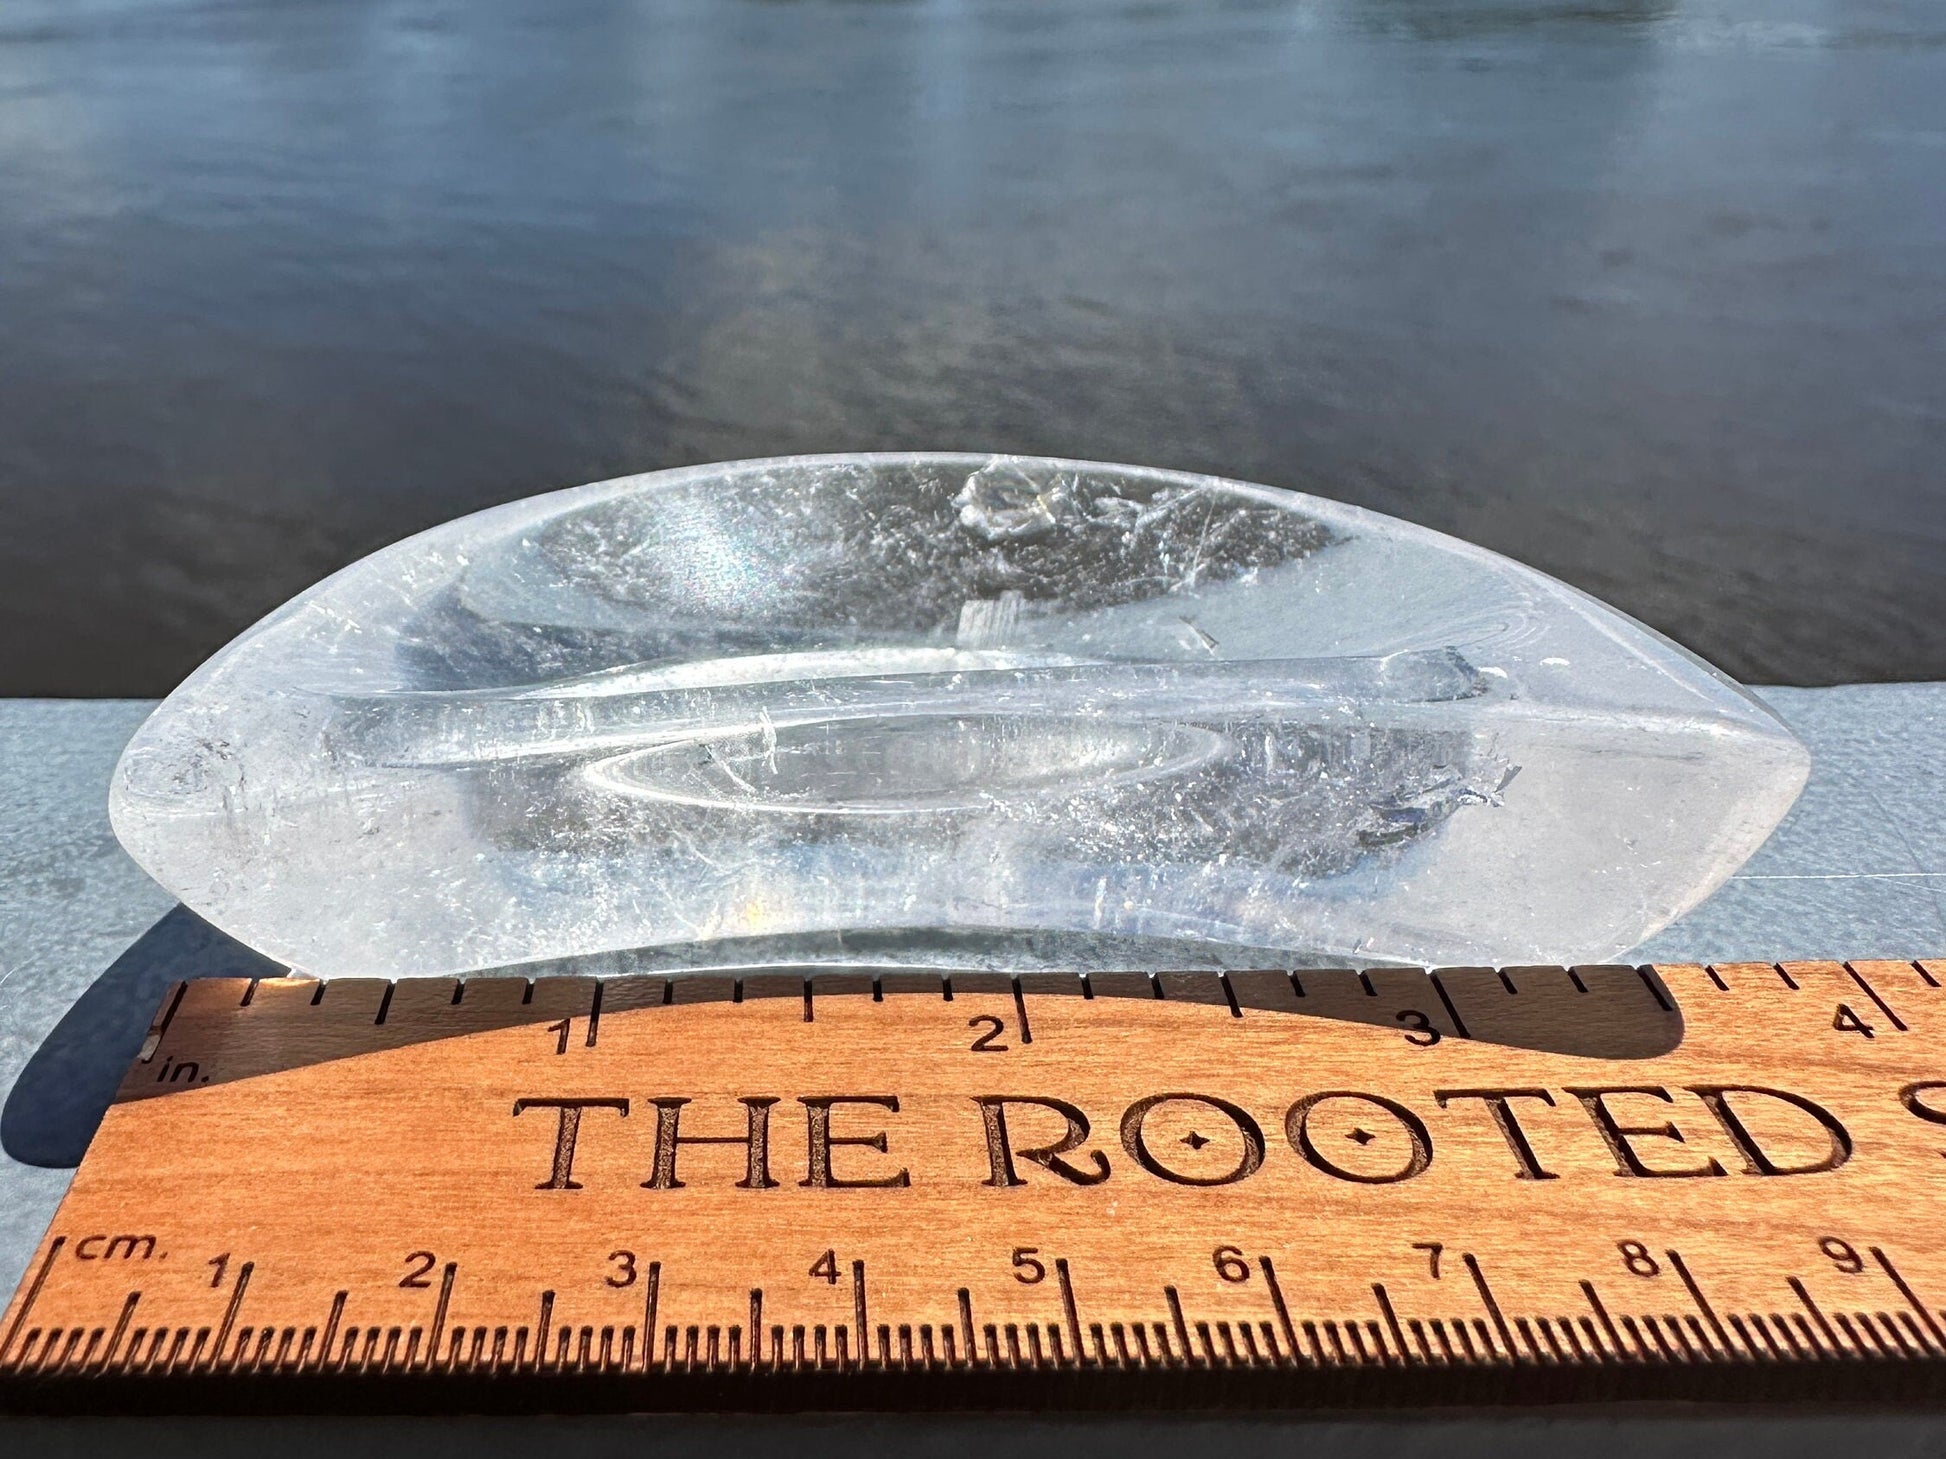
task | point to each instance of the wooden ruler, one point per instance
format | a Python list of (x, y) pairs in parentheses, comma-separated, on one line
[(841, 1190)]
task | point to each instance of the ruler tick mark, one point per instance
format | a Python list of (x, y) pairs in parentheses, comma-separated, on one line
[(441, 1308), (1492, 1304), (1912, 1297), (230, 1312), (1445, 998), (33, 1292), (858, 1312), (650, 1299), (161, 1025), (1702, 1302), (1068, 1307), (1392, 1322), (1182, 1327), (541, 1328), (1872, 993), (1803, 1295), (1277, 1301), (1654, 985), (331, 1327), (121, 1327), (174, 1004), (1858, 1348), (1608, 1325)]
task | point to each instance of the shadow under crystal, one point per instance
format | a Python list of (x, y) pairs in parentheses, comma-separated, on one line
[(59, 1100)]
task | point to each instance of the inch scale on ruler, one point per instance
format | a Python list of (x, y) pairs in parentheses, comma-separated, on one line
[(902, 1190)]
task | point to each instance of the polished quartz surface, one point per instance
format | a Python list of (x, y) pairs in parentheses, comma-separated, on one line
[(743, 707)]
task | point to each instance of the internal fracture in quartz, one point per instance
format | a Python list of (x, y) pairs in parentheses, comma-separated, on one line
[(780, 699)]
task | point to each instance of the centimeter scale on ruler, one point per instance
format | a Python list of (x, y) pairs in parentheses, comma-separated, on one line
[(907, 1190)]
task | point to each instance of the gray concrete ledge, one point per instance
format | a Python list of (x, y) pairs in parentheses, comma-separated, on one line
[(1858, 869)]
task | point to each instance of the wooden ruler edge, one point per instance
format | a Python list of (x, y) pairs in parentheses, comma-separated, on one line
[(691, 1378)]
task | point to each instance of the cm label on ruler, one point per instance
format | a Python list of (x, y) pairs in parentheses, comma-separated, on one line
[(1468, 1169)]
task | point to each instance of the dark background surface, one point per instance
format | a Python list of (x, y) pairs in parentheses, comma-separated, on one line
[(1617, 1433), (1649, 293)]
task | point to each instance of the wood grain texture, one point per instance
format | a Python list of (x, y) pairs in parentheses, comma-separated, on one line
[(1330, 1187)]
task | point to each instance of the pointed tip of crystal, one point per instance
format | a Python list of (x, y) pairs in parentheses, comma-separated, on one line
[(772, 699)]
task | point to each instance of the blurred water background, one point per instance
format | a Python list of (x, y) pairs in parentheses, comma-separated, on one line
[(1648, 293)]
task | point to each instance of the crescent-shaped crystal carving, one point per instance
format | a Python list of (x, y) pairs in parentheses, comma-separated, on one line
[(983, 693)]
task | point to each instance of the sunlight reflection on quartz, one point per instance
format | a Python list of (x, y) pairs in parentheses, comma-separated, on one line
[(949, 694)]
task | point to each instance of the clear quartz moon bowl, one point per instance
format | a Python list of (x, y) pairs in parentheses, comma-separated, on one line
[(962, 693)]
